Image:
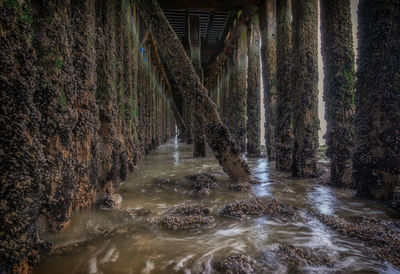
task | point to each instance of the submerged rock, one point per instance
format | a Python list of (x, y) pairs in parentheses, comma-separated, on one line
[(254, 182), (262, 206), (200, 185), (132, 213), (382, 235), (92, 239), (194, 209), (238, 264), (243, 186), (202, 193), (111, 201), (304, 256), (163, 182), (182, 222), (209, 176)]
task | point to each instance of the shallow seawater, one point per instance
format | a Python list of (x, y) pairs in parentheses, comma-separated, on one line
[(148, 249)]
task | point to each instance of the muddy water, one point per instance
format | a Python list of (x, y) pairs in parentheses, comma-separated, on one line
[(151, 250)]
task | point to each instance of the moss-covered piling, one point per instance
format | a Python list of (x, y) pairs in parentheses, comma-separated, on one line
[(253, 88), (305, 87), (339, 77), (267, 11), (74, 85), (240, 92), (284, 119), (376, 159)]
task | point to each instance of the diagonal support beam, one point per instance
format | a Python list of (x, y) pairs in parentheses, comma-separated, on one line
[(220, 46), (180, 67), (209, 26), (180, 123)]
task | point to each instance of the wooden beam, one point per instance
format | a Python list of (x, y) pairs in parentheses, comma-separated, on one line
[(186, 23), (203, 4), (209, 25), (230, 17)]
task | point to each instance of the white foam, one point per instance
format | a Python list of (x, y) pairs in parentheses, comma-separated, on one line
[(149, 267), (181, 263)]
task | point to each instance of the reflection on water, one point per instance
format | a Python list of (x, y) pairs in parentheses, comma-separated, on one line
[(151, 250), (323, 199)]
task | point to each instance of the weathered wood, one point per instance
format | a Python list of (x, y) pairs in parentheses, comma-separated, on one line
[(267, 13), (145, 37), (199, 143), (305, 82), (239, 92), (218, 90), (231, 94), (253, 88), (225, 108), (283, 131), (186, 135), (376, 161), (184, 74), (338, 56)]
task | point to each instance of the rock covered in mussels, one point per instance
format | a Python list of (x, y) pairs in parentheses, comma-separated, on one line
[(204, 180), (183, 222), (111, 201), (383, 236), (203, 184), (238, 264), (304, 256), (194, 209), (262, 206)]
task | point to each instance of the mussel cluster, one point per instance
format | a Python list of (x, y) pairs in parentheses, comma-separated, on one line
[(183, 222), (261, 206), (238, 264)]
